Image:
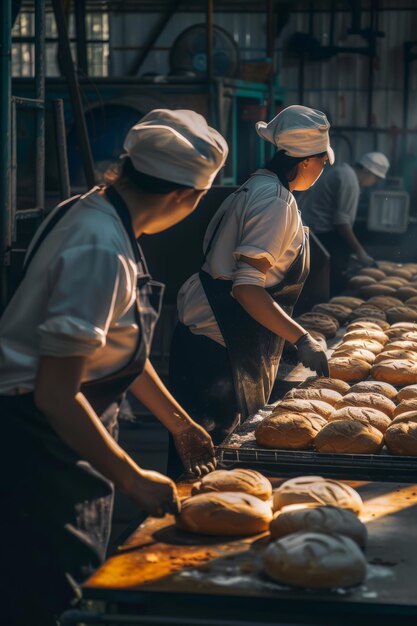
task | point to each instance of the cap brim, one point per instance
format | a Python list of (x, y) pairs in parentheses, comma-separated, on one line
[(330, 154)]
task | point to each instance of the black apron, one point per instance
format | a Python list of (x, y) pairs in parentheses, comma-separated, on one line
[(56, 500), (254, 351)]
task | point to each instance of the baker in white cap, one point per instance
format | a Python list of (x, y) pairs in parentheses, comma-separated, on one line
[(235, 314), (329, 209), (73, 339)]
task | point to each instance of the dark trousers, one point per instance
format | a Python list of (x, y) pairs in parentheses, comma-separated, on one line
[(339, 259), (200, 378)]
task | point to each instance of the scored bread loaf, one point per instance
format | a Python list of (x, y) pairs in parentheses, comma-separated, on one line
[(366, 334), (367, 311), (401, 438), (401, 272), (323, 382), (349, 437), (365, 415), (367, 291), (316, 490), (226, 513), (407, 393), (349, 370), (364, 324), (403, 372), (315, 560), (409, 416), (372, 400), (394, 281), (338, 311), (405, 406), (289, 431), (348, 301), (384, 302), (374, 272), (354, 353), (325, 324), (362, 344), (298, 405), (375, 386), (323, 519), (411, 301), (370, 320), (398, 344), (401, 314), (405, 325), (324, 395), (241, 480), (387, 355), (356, 282), (406, 292)]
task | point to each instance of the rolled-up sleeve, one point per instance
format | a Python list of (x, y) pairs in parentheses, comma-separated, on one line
[(87, 287)]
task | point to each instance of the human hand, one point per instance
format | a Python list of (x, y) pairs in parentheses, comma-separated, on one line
[(312, 355), (195, 448), (365, 260), (154, 493)]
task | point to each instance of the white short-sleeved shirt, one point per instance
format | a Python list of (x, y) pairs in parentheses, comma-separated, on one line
[(261, 220), (77, 298), (332, 200)]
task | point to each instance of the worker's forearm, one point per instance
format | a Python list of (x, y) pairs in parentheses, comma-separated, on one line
[(258, 303), (151, 391), (346, 233), (76, 423)]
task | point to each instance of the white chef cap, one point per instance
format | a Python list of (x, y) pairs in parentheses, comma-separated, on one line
[(177, 146), (376, 163), (299, 131)]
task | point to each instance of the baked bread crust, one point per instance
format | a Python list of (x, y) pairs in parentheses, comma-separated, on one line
[(349, 437)]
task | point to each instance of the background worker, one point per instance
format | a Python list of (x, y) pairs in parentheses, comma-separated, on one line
[(329, 209)]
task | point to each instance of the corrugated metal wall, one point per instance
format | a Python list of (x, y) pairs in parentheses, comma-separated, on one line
[(339, 86)]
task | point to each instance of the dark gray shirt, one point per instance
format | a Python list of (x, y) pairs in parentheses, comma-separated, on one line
[(332, 200)]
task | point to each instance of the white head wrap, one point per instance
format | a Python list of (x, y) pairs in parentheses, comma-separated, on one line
[(299, 131), (177, 146), (376, 163)]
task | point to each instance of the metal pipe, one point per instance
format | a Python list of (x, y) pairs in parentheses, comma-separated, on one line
[(209, 57), (40, 96), (13, 173), (5, 135), (270, 40), (79, 14), (61, 144), (75, 94)]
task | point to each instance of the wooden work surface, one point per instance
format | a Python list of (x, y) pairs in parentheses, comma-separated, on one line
[(159, 559)]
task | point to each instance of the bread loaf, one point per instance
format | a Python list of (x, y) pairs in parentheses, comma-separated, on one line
[(402, 372), (289, 431), (324, 395), (409, 416), (401, 314), (406, 292), (374, 272), (363, 324), (384, 302), (409, 335), (349, 370), (372, 400), (362, 344), (405, 406), (407, 326), (296, 405), (389, 355), (349, 437), (322, 382), (402, 438), (411, 301), (354, 353), (375, 386), (241, 480), (394, 281), (367, 291), (367, 311), (236, 514), (315, 560), (401, 272), (322, 519), (360, 281), (365, 415), (338, 311), (317, 490), (366, 334), (370, 322), (348, 301), (325, 324), (410, 346), (407, 393)]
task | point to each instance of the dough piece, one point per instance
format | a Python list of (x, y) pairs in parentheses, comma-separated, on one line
[(402, 372), (372, 400), (289, 431), (317, 490), (376, 323), (405, 406), (362, 344), (374, 272), (324, 395), (410, 416), (401, 314), (322, 519), (397, 344), (360, 281), (367, 311), (367, 291), (407, 393), (315, 560), (338, 311), (369, 335), (406, 292), (348, 301), (387, 355), (322, 382), (375, 386), (365, 415), (384, 302), (364, 355), (349, 370), (318, 407), (364, 324), (325, 324), (402, 438), (349, 437), (235, 514), (241, 480)]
